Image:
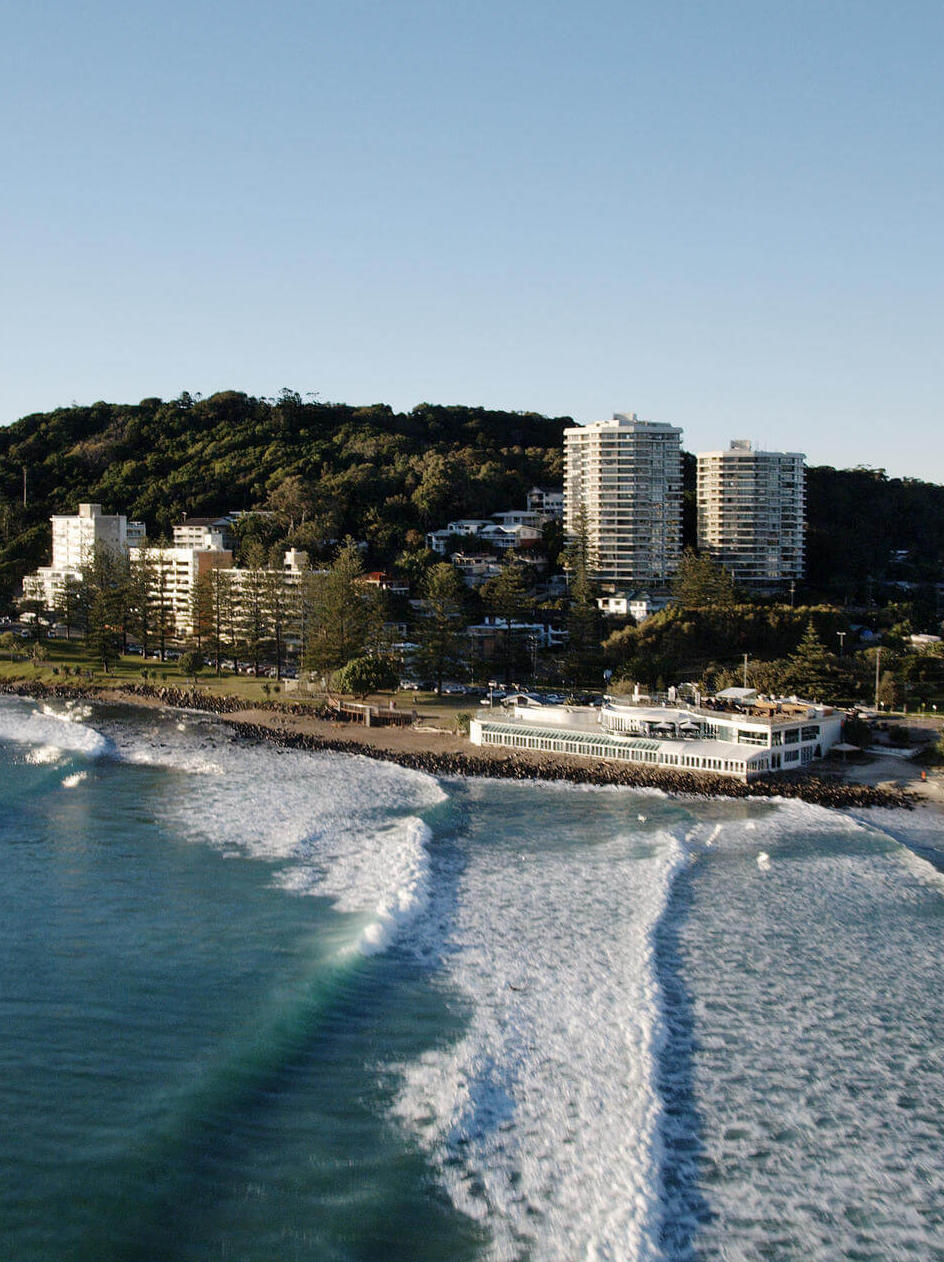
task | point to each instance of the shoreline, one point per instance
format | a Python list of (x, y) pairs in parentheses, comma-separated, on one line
[(441, 753)]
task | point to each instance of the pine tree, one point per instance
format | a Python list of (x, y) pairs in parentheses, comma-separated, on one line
[(102, 600), (584, 623), (252, 619), (142, 580), (70, 604), (201, 610), (283, 611), (813, 670), (504, 597), (344, 616), (221, 640), (700, 583), (441, 621)]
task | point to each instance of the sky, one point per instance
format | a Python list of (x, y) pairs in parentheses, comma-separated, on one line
[(727, 215)]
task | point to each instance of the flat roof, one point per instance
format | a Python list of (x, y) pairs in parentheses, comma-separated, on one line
[(775, 718)]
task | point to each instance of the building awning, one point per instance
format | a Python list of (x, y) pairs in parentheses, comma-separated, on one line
[(574, 735), (736, 694)]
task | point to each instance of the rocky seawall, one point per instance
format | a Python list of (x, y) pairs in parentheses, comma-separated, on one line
[(819, 790)]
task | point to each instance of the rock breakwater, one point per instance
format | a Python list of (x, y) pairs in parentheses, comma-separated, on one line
[(511, 766)]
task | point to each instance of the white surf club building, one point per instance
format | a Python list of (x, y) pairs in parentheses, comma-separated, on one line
[(744, 741)]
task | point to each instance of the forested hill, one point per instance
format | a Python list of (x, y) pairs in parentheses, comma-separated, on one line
[(865, 529), (385, 477), (368, 471)]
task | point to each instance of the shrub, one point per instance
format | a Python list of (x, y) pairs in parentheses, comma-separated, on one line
[(367, 674)]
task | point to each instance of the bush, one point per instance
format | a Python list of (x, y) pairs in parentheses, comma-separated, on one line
[(191, 664), (367, 674), (857, 732), (931, 755)]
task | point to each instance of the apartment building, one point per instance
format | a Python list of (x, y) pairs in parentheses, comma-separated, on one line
[(74, 539), (625, 476), (173, 574), (548, 501), (205, 533), (751, 511)]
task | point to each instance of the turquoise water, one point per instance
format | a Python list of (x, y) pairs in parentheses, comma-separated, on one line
[(259, 1004)]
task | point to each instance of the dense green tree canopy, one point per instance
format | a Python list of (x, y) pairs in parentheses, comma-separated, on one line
[(324, 469), (700, 583)]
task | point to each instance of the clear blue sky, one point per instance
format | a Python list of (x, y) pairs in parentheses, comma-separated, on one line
[(726, 215)]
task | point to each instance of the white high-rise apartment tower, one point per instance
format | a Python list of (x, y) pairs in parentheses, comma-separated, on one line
[(626, 475), (751, 512)]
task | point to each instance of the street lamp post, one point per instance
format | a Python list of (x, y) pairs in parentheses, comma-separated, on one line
[(842, 638)]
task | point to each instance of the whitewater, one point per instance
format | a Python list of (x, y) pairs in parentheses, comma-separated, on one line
[(259, 1002)]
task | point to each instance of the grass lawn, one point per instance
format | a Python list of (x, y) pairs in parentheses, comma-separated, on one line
[(64, 658)]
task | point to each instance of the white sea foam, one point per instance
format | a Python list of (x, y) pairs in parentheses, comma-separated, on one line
[(544, 1119), (41, 755), (73, 781), (817, 1061), (408, 894), (338, 827), (51, 734), (918, 836)]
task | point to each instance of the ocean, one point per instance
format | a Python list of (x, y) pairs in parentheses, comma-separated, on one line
[(261, 1004)]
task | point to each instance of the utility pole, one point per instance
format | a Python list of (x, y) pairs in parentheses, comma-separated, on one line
[(878, 659), (24, 486), (745, 670)]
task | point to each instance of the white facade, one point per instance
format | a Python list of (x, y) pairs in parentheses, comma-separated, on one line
[(547, 501), (741, 744), (640, 606), (517, 517), (174, 573), (626, 475), (74, 539), (489, 633), (204, 533), (438, 540), (295, 562), (492, 533), (751, 508)]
